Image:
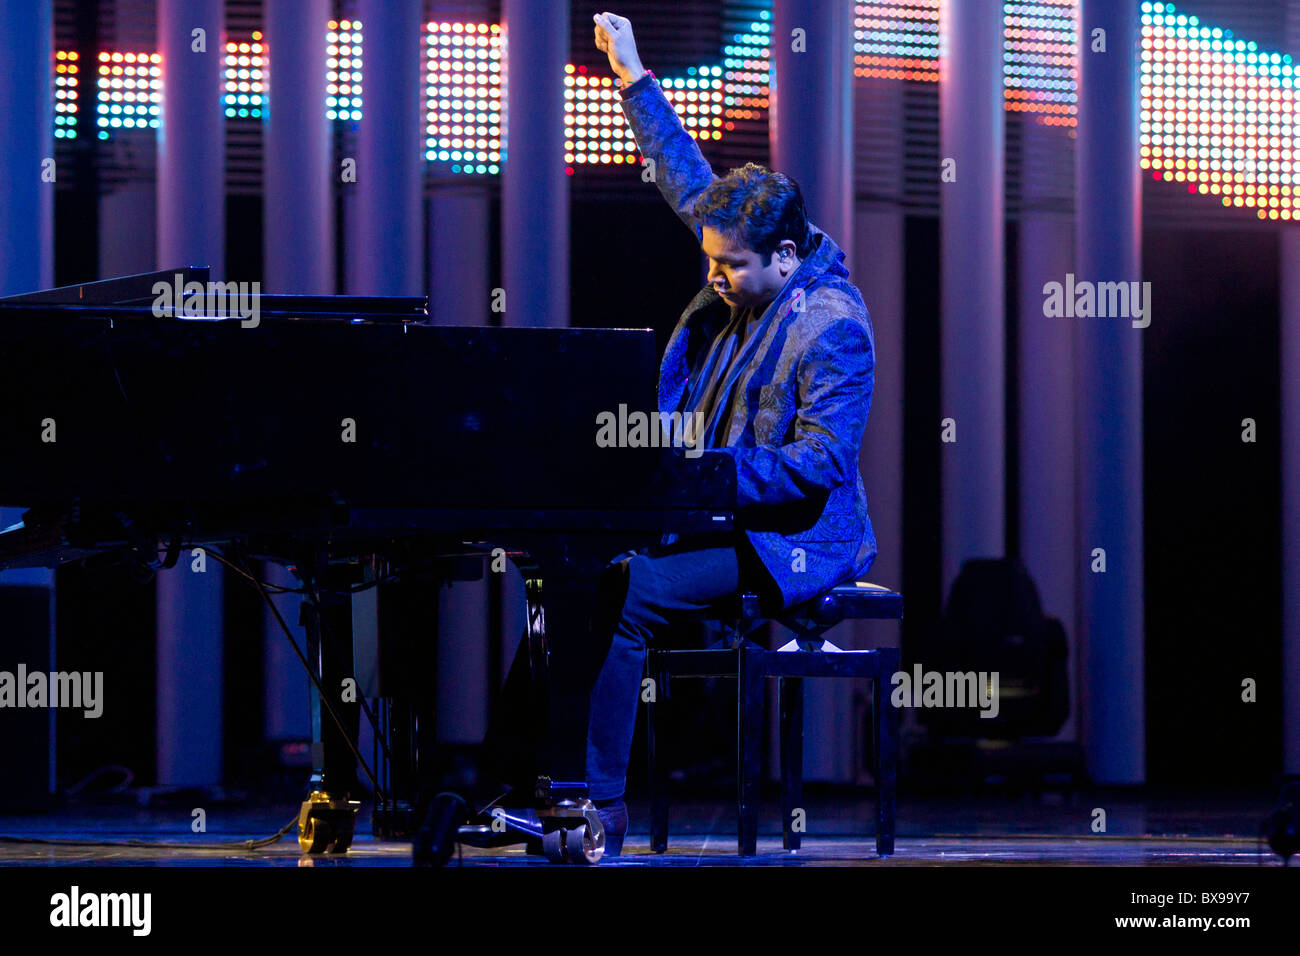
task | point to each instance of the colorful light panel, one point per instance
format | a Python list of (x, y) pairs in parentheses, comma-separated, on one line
[(245, 90), (1040, 61), (897, 40), (900, 41), (65, 94), (708, 99), (596, 132), (699, 98), (130, 87), (343, 70), (463, 93), (746, 62), (1218, 113), (463, 96)]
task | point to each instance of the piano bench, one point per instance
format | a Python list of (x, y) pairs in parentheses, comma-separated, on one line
[(809, 655)]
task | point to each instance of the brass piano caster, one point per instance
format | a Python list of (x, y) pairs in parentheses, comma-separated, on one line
[(326, 823)]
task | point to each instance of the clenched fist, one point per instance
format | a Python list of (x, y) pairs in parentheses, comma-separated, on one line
[(614, 37)]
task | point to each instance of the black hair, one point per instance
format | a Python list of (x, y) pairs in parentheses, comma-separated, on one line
[(757, 208)]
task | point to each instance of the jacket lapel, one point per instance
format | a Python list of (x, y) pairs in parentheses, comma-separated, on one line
[(699, 324), (696, 327)]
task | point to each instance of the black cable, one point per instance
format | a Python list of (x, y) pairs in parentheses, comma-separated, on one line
[(374, 726), (264, 588), (313, 597), (128, 779), (274, 588), (320, 689), (280, 589), (151, 845)]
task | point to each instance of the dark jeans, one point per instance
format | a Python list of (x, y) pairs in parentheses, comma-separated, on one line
[(642, 597), (637, 599)]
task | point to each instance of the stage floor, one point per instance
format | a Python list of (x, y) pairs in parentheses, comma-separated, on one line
[(1201, 830)]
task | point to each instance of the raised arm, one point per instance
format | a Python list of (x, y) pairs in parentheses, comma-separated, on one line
[(680, 170)]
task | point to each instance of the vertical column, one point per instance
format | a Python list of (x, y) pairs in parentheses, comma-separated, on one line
[(384, 233), (26, 156), (1289, 261), (1108, 388), (125, 248), (811, 133), (534, 198), (127, 244), (385, 248), (811, 96), (972, 348), (534, 187), (460, 294), (27, 147), (880, 255), (191, 231), (459, 255), (1045, 374), (298, 215), (191, 140), (1289, 347), (878, 271), (298, 230), (879, 246), (27, 207)]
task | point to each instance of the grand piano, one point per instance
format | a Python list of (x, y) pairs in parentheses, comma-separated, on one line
[(363, 447)]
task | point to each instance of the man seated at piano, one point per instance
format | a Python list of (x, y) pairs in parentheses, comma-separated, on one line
[(777, 354)]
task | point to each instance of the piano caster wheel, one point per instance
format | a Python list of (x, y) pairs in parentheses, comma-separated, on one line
[(341, 843), (553, 846), (326, 824), (585, 847), (576, 845), (316, 836)]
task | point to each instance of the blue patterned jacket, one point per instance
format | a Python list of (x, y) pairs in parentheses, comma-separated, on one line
[(802, 399)]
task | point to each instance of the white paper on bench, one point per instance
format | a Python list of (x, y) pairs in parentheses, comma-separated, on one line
[(794, 646)]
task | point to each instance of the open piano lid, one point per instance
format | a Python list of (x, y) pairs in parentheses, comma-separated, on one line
[(130, 294)]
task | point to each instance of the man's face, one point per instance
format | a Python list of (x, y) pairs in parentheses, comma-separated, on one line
[(738, 275)]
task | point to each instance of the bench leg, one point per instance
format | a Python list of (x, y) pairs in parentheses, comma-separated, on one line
[(658, 774), (790, 704), (885, 721), (749, 723)]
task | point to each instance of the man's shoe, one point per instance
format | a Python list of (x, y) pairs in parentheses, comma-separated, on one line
[(614, 819)]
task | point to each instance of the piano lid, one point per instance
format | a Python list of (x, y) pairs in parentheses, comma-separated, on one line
[(124, 290), (130, 297)]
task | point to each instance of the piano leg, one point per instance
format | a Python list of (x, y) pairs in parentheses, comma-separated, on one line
[(327, 818), (408, 661), (571, 829)]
